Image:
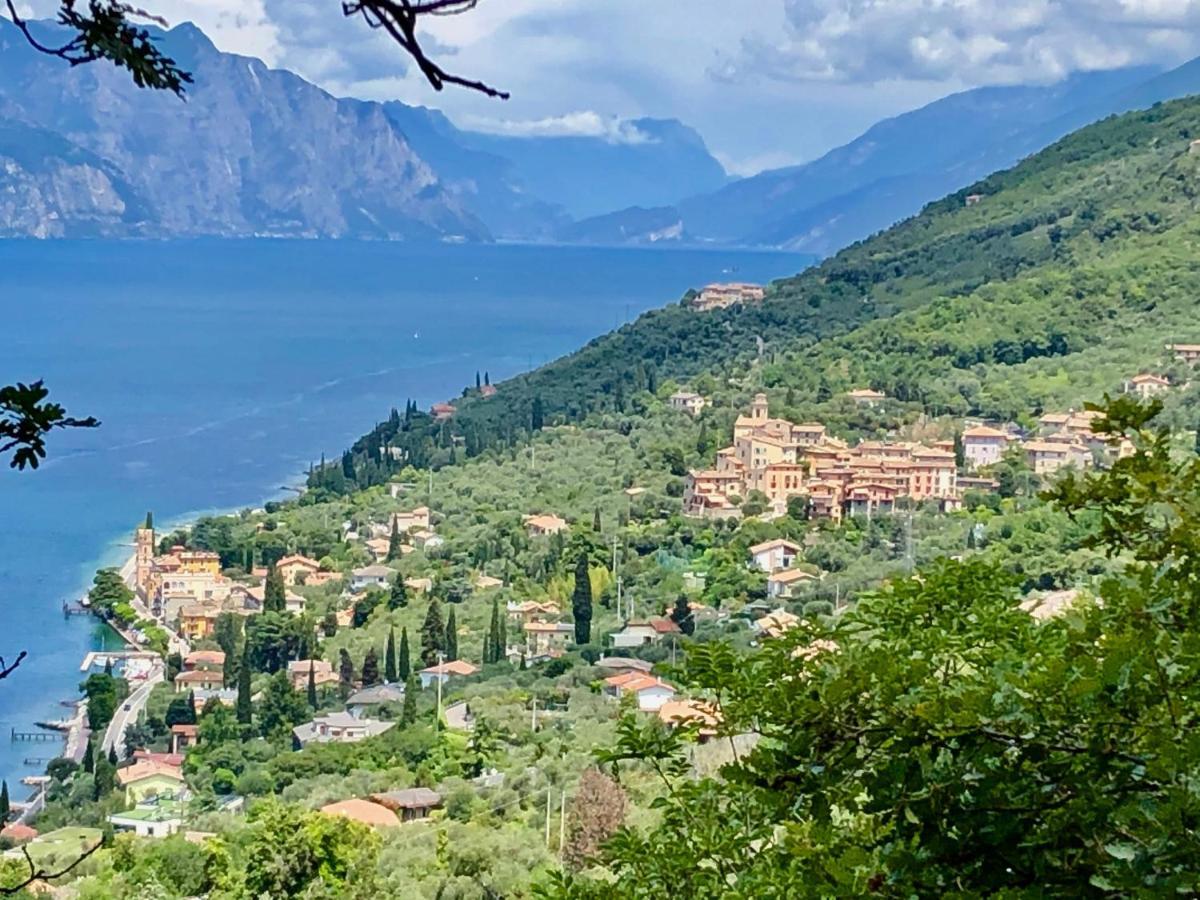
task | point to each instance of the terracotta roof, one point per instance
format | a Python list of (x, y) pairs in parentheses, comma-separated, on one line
[(298, 560), (1149, 378), (410, 798), (18, 832), (204, 658), (771, 545), (664, 625), (147, 768), (985, 431), (198, 676), (453, 667), (188, 730), (363, 811)]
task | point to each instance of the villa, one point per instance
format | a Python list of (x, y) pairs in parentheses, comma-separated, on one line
[(984, 446), (651, 692), (443, 672), (199, 679), (688, 402), (783, 584), (156, 817), (296, 569), (637, 634), (322, 673), (410, 804), (149, 778), (543, 525), (1147, 385), (771, 556), (337, 728), (721, 296), (547, 638), (370, 576), (364, 812)]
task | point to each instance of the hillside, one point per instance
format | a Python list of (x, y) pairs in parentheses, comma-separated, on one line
[(990, 308)]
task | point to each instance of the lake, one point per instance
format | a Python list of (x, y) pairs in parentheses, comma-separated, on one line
[(221, 369)]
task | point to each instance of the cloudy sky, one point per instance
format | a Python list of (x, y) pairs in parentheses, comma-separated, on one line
[(767, 82)]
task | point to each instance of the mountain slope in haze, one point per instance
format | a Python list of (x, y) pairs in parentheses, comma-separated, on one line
[(252, 151), (484, 182), (899, 164), (647, 163), (1068, 276)]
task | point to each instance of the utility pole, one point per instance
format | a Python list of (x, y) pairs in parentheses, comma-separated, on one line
[(533, 721), (908, 552), (619, 619), (437, 723), (562, 825), (549, 791)]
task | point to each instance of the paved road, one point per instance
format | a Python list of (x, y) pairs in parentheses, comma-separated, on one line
[(114, 735)]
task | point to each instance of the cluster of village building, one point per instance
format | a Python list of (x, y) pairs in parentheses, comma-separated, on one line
[(781, 459)]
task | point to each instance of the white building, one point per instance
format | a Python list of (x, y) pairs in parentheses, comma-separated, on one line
[(370, 576), (771, 556)]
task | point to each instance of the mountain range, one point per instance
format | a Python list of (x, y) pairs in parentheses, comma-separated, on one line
[(259, 151)]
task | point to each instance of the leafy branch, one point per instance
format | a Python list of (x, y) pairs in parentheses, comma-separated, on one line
[(25, 420)]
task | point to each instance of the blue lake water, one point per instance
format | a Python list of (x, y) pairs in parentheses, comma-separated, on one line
[(221, 369)]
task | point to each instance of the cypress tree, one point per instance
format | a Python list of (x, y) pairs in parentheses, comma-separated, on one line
[(312, 686), (451, 645), (403, 663), (490, 654), (345, 673), (89, 756), (244, 709), (108, 668), (105, 778), (394, 545), (409, 714), (971, 538), (274, 592), (113, 759), (5, 806), (596, 520), (433, 633), (149, 524), (370, 668), (536, 415), (502, 643), (389, 657), (398, 598), (581, 601), (486, 378), (1197, 444), (477, 382)]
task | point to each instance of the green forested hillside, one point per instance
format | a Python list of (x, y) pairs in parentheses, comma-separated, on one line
[(993, 308)]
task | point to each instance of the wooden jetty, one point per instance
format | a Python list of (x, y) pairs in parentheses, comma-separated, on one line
[(75, 609), (35, 736)]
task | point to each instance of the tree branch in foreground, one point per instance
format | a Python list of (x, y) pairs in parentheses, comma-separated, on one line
[(36, 874), (111, 30), (26, 419), (6, 670)]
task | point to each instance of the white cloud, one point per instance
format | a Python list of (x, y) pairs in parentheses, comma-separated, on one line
[(972, 41), (575, 124)]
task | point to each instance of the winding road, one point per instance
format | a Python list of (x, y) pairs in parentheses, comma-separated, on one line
[(115, 733)]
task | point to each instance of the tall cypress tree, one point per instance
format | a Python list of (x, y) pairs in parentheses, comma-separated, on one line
[(394, 545), (490, 646), (370, 668), (398, 598), (596, 520), (451, 645), (403, 663), (312, 686), (409, 714), (244, 709), (5, 806), (433, 633), (581, 601), (89, 756), (389, 657), (274, 592), (113, 759), (345, 673)]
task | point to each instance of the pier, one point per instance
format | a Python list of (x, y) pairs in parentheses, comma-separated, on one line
[(75, 609), (42, 736), (100, 657)]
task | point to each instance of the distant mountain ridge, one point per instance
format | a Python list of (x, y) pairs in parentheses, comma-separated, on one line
[(901, 163), (256, 151)]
